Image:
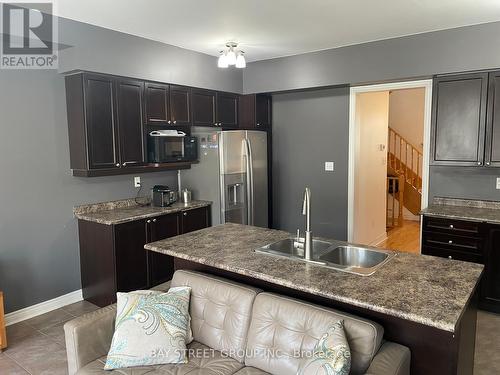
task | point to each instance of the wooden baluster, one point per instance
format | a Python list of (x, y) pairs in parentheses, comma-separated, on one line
[(3, 334)]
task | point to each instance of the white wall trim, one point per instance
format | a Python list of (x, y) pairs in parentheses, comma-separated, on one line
[(377, 241), (43, 307), (353, 138)]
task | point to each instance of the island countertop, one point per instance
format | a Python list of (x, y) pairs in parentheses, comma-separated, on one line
[(423, 289)]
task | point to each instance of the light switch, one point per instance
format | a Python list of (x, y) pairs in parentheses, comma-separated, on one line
[(329, 166), (498, 183)]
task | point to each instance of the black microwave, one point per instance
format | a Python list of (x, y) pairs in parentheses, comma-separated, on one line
[(170, 146)]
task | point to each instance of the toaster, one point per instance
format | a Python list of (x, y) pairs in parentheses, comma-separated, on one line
[(163, 196)]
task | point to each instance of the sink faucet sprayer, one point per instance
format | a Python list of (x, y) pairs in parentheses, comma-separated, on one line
[(306, 211)]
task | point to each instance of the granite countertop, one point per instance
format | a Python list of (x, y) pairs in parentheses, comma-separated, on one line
[(464, 209), (122, 211), (428, 290)]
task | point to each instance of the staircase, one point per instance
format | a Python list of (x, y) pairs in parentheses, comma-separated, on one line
[(404, 178)]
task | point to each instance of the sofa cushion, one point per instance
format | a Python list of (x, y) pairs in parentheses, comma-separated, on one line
[(251, 371), (282, 328), (220, 311), (202, 360)]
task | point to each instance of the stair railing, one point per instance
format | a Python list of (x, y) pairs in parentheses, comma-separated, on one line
[(405, 158)]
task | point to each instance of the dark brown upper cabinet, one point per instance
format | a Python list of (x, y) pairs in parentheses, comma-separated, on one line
[(167, 105), (227, 110), (492, 148), (105, 122), (459, 119), (157, 106), (255, 111), (129, 106), (180, 105), (203, 107)]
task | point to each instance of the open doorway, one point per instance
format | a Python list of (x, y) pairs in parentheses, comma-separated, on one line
[(388, 163)]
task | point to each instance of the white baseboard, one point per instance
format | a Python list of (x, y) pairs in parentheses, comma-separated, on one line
[(43, 307), (378, 240)]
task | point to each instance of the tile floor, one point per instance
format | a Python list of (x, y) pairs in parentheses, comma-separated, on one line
[(36, 346)]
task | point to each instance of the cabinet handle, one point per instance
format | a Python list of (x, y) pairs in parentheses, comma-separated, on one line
[(451, 226), (117, 164), (169, 122), (149, 221), (479, 163), (215, 124), (185, 213), (450, 241), (124, 164), (258, 124), (175, 121), (488, 163), (450, 257), (154, 220)]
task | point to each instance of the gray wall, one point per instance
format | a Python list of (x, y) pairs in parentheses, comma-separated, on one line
[(310, 128), (107, 51), (39, 257), (466, 48)]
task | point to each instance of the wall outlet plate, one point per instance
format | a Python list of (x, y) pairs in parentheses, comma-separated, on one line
[(137, 182), (329, 166), (498, 183)]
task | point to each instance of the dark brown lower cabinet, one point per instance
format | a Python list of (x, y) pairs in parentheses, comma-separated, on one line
[(113, 258), (471, 242)]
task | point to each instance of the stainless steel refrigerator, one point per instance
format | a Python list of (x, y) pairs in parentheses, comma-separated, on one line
[(232, 173)]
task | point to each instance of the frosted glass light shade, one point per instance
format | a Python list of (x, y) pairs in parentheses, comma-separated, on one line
[(222, 61), (240, 61), (231, 57)]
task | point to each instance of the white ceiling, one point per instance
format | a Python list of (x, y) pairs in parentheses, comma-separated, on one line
[(274, 28)]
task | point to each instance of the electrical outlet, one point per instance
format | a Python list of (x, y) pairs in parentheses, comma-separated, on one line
[(329, 166), (498, 183), (137, 182)]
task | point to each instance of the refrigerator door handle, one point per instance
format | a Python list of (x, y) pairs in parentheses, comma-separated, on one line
[(251, 219)]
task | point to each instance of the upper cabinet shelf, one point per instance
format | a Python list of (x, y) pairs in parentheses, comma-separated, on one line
[(109, 118), (466, 120)]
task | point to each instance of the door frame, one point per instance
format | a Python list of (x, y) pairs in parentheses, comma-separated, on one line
[(354, 135)]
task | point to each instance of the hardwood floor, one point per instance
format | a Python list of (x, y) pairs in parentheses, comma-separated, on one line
[(405, 238)]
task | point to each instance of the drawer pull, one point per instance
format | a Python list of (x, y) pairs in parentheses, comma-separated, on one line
[(154, 220), (450, 257), (450, 241), (451, 226), (454, 244)]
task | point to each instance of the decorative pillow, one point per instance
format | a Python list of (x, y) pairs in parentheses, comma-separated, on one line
[(150, 329), (331, 355)]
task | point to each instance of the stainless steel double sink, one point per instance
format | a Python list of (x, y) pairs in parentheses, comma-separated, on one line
[(362, 261)]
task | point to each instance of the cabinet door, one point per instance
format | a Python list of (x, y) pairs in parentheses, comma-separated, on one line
[(161, 266), (459, 119), (490, 289), (157, 110), (227, 110), (100, 115), (180, 105), (492, 152), (131, 257), (129, 99), (263, 111), (194, 219), (246, 115), (203, 107)]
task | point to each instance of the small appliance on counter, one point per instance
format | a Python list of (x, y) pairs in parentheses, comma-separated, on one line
[(171, 146), (186, 196), (163, 196)]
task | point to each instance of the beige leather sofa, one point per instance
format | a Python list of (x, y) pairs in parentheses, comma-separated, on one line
[(247, 332)]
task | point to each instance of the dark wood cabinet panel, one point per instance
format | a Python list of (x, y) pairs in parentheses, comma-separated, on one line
[(129, 104), (492, 152), (157, 104), (203, 107), (195, 219), (263, 111), (459, 119), (161, 266), (180, 105), (227, 110), (130, 256), (100, 115), (490, 288)]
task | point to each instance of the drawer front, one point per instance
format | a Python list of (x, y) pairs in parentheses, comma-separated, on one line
[(458, 227), (452, 254), (453, 242)]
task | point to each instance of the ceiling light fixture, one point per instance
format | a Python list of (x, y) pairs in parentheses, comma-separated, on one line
[(231, 56)]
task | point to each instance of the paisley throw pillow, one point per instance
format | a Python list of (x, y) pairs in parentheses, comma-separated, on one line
[(331, 355), (150, 329)]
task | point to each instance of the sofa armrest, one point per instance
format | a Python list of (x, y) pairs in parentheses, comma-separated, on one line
[(391, 359), (89, 337)]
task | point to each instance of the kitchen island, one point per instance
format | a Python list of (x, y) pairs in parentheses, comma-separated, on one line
[(425, 303)]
